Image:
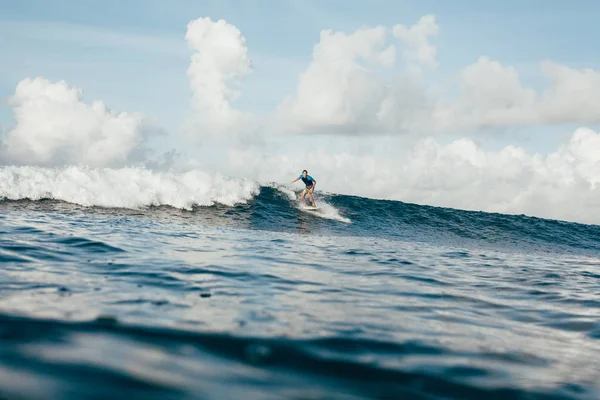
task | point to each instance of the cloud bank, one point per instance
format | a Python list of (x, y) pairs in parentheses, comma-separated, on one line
[(341, 91), (54, 126), (564, 184), (492, 95), (357, 84)]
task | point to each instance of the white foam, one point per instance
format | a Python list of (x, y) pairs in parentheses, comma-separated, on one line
[(124, 187), (324, 209), (285, 190)]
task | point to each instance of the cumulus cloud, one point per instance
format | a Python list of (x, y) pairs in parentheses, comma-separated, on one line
[(492, 95), (573, 95), (564, 184), (338, 91), (219, 61), (55, 126), (417, 46), (341, 91)]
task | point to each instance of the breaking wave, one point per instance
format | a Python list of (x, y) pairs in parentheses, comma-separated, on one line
[(244, 203), (124, 188)]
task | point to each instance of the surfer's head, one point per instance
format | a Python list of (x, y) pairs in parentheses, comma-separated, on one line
[(304, 172)]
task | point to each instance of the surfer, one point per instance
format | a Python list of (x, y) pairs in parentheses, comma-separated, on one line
[(310, 186)]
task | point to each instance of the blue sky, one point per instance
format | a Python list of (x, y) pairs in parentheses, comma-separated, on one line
[(132, 54)]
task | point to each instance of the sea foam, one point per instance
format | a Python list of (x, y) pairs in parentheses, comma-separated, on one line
[(124, 187)]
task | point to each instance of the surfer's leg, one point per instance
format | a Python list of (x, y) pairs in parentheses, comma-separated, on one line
[(312, 199), (304, 194)]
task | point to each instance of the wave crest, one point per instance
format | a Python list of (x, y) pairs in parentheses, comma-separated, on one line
[(124, 187)]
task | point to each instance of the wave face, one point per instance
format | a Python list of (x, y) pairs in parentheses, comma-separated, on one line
[(246, 204), (133, 283)]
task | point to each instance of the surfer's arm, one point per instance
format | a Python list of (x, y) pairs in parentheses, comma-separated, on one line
[(294, 180)]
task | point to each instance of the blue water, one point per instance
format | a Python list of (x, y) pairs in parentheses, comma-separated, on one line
[(266, 301)]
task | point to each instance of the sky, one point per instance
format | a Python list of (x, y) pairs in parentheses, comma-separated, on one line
[(422, 101)]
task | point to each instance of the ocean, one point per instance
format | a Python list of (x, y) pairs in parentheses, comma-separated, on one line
[(132, 284)]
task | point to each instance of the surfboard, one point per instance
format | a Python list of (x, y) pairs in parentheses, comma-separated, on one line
[(308, 207)]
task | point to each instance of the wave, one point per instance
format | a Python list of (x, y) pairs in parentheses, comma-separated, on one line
[(134, 188), (325, 209), (170, 363), (216, 199), (124, 188)]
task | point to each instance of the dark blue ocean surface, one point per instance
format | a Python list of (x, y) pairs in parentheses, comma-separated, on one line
[(371, 299)]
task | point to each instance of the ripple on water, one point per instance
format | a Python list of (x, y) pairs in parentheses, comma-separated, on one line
[(171, 304)]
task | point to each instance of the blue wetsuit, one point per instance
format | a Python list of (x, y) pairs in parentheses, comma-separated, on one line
[(308, 181)]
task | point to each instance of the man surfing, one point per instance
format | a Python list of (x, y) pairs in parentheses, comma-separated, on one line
[(310, 187)]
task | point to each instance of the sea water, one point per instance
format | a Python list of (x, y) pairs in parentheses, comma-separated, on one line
[(125, 285)]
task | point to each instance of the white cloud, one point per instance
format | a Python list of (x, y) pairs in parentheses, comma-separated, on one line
[(338, 92), (416, 40), (573, 95), (562, 185), (492, 95), (342, 91), (219, 61), (54, 126), (387, 57), (407, 107)]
